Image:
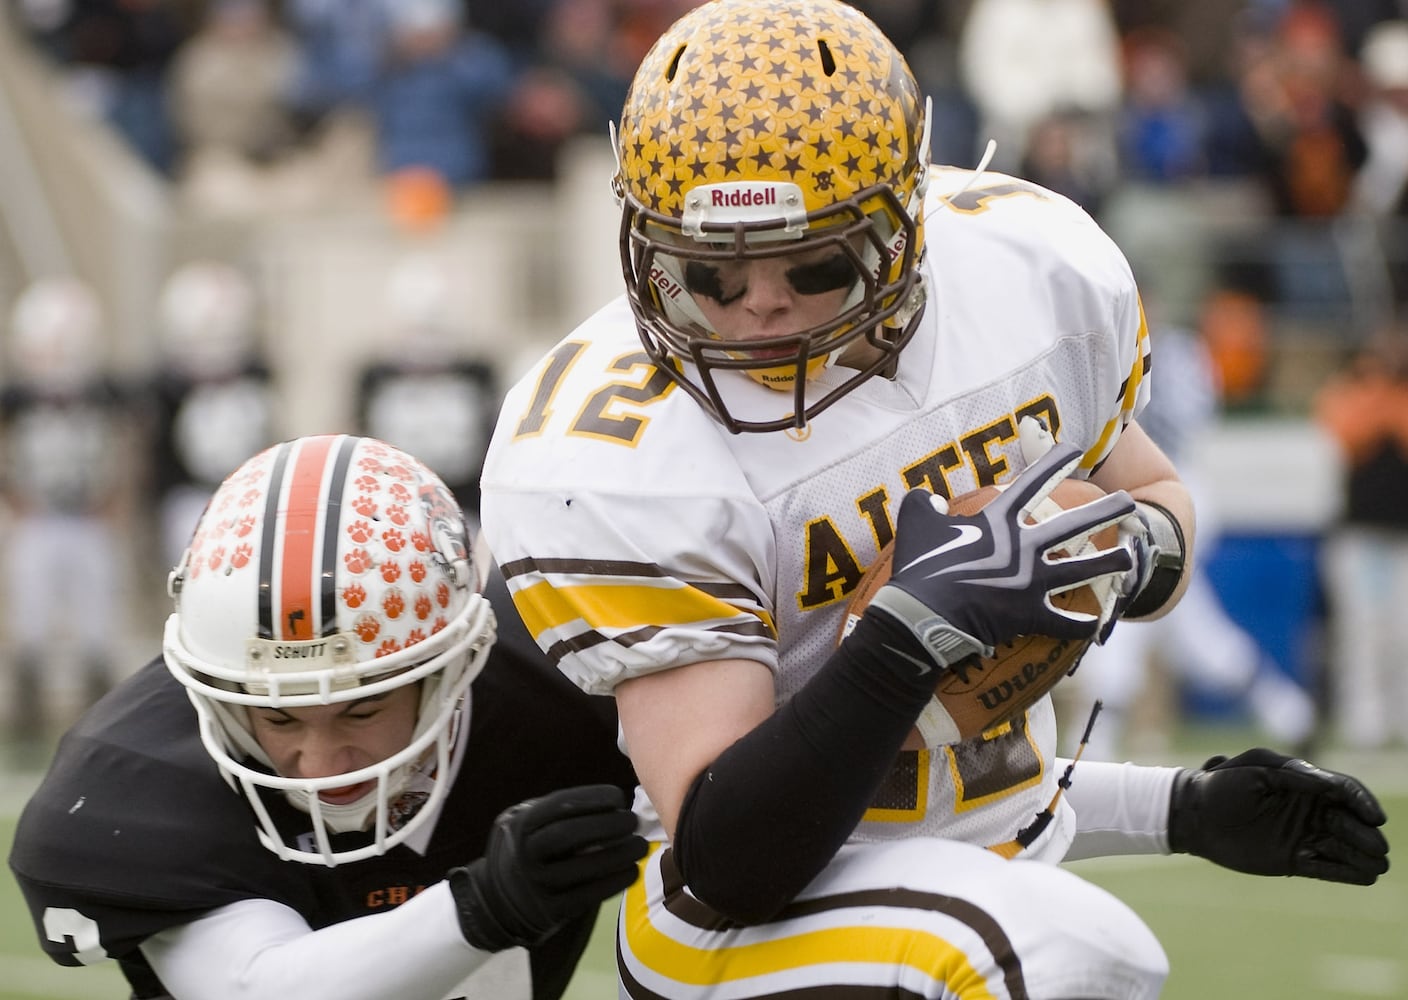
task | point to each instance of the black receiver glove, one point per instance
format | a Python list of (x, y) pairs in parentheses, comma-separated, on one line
[(964, 584), (1267, 814), (548, 860)]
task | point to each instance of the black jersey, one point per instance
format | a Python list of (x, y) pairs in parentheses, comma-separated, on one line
[(134, 830), (59, 447)]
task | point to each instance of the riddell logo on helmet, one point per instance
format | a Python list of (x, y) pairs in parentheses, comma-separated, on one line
[(897, 245), (711, 210), (667, 285), (744, 198)]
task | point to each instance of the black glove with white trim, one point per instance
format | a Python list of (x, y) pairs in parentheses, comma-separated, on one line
[(964, 584), (549, 859), (1267, 814)]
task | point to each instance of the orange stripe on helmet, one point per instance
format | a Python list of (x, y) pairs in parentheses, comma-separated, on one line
[(298, 574)]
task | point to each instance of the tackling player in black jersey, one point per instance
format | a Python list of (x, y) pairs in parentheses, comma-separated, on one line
[(274, 806)]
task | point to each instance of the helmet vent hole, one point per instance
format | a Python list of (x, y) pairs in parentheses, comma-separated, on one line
[(828, 61), (674, 66)]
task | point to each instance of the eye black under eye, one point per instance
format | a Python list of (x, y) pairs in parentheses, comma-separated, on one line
[(830, 274), (702, 279)]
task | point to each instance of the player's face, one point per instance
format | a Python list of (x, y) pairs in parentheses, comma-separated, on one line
[(747, 300), (335, 739)]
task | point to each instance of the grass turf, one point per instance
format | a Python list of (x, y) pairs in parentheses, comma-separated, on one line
[(1228, 936)]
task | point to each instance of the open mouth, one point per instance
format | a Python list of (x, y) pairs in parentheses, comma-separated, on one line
[(346, 793)]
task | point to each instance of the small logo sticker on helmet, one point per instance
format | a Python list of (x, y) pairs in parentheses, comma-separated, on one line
[(730, 202)]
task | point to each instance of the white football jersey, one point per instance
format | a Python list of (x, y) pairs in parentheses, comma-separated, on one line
[(638, 535)]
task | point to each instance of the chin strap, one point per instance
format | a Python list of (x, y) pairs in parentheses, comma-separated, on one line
[(1028, 834), (988, 152)]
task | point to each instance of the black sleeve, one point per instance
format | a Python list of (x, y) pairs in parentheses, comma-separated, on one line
[(805, 775)]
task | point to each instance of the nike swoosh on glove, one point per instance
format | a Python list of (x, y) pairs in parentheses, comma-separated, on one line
[(964, 584)]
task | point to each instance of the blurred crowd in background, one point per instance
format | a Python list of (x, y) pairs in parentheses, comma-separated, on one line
[(226, 97), (240, 99), (1168, 120)]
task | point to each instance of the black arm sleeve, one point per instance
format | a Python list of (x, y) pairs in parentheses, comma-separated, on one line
[(804, 777)]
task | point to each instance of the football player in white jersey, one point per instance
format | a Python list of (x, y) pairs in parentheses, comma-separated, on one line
[(818, 325)]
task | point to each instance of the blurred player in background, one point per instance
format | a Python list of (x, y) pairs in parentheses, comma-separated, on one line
[(64, 428), (311, 792), (424, 391), (1364, 408), (1198, 641), (214, 400)]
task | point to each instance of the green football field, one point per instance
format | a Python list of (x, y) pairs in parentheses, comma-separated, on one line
[(1228, 936)]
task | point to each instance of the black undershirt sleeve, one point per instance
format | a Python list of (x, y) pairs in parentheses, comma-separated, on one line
[(803, 778)]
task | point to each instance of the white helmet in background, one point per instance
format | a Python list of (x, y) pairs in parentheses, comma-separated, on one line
[(326, 570), (56, 333), (418, 303), (418, 292), (206, 316)]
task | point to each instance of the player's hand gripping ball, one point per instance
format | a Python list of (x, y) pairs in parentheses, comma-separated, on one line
[(978, 694)]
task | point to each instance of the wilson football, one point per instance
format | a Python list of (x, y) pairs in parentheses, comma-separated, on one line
[(982, 693)]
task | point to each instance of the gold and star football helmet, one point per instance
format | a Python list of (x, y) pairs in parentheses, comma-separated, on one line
[(328, 570), (758, 128)]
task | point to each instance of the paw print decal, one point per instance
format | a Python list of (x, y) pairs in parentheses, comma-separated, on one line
[(367, 628)]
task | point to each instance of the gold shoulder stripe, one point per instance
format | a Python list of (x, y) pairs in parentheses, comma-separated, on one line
[(543, 606)]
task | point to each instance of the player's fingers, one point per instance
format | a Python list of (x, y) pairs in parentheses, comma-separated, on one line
[(1061, 623), (919, 510), (1335, 787), (1068, 572), (1354, 870), (572, 834), (1037, 480), (575, 801), (609, 861), (590, 893), (1034, 438), (1358, 799), (1070, 527), (1355, 835)]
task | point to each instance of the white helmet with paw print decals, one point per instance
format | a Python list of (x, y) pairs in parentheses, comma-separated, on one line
[(327, 570)]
